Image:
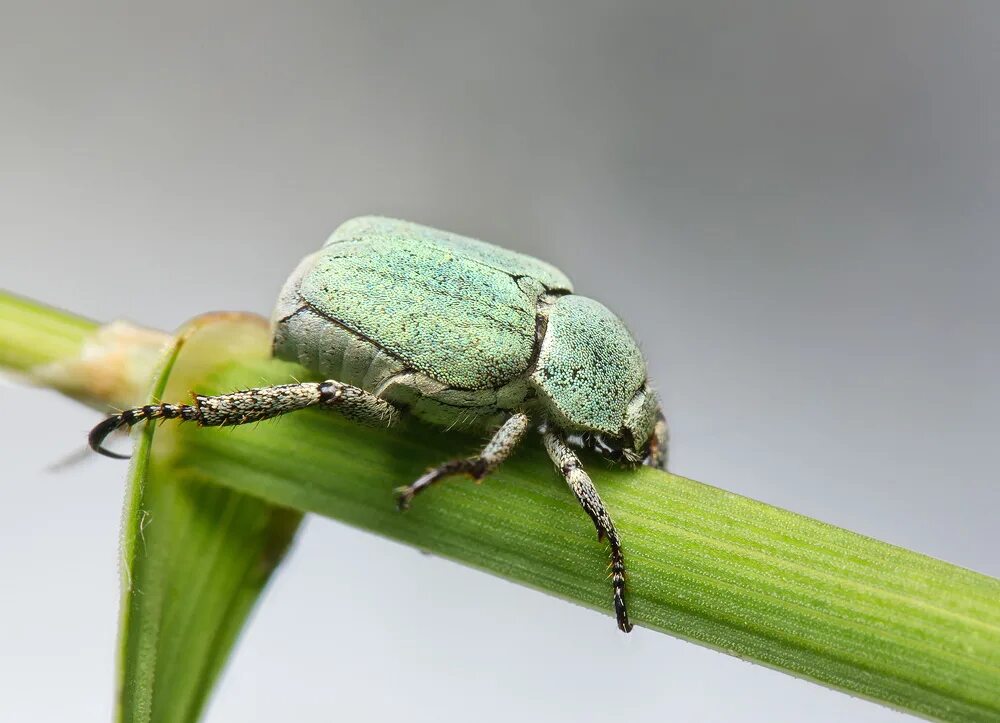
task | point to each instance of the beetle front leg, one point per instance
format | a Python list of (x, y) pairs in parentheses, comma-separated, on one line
[(658, 442), (254, 405), (499, 448), (586, 494)]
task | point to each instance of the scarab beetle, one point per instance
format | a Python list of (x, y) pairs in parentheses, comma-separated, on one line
[(402, 318)]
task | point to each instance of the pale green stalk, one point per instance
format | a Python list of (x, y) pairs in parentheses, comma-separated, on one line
[(706, 565)]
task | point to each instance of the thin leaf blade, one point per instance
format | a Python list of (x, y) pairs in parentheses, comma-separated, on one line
[(195, 555)]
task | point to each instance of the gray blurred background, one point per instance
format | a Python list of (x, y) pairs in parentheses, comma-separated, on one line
[(793, 204)]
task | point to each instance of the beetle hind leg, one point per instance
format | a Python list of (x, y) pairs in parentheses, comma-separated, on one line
[(253, 405), (500, 447)]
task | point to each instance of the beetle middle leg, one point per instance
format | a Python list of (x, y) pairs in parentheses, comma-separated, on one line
[(499, 448), (586, 494), (254, 405)]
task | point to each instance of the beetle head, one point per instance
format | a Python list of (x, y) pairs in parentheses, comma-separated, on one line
[(642, 438)]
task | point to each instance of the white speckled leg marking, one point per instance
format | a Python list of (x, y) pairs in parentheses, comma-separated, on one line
[(499, 448), (253, 405), (586, 494)]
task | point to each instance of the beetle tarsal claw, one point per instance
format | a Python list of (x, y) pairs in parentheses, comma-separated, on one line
[(404, 496), (100, 432)]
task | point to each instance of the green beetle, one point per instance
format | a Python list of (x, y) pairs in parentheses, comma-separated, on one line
[(402, 318)]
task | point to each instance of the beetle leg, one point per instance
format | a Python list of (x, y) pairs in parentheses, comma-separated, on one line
[(253, 405), (586, 494), (658, 444), (499, 448)]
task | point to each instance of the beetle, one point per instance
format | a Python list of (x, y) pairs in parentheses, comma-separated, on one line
[(402, 318)]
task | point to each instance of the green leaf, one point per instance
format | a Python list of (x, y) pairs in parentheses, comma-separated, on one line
[(195, 555)]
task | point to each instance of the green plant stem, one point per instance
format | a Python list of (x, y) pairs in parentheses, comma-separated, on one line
[(109, 365), (710, 566), (32, 335)]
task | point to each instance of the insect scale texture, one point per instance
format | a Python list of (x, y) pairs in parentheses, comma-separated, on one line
[(405, 319)]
